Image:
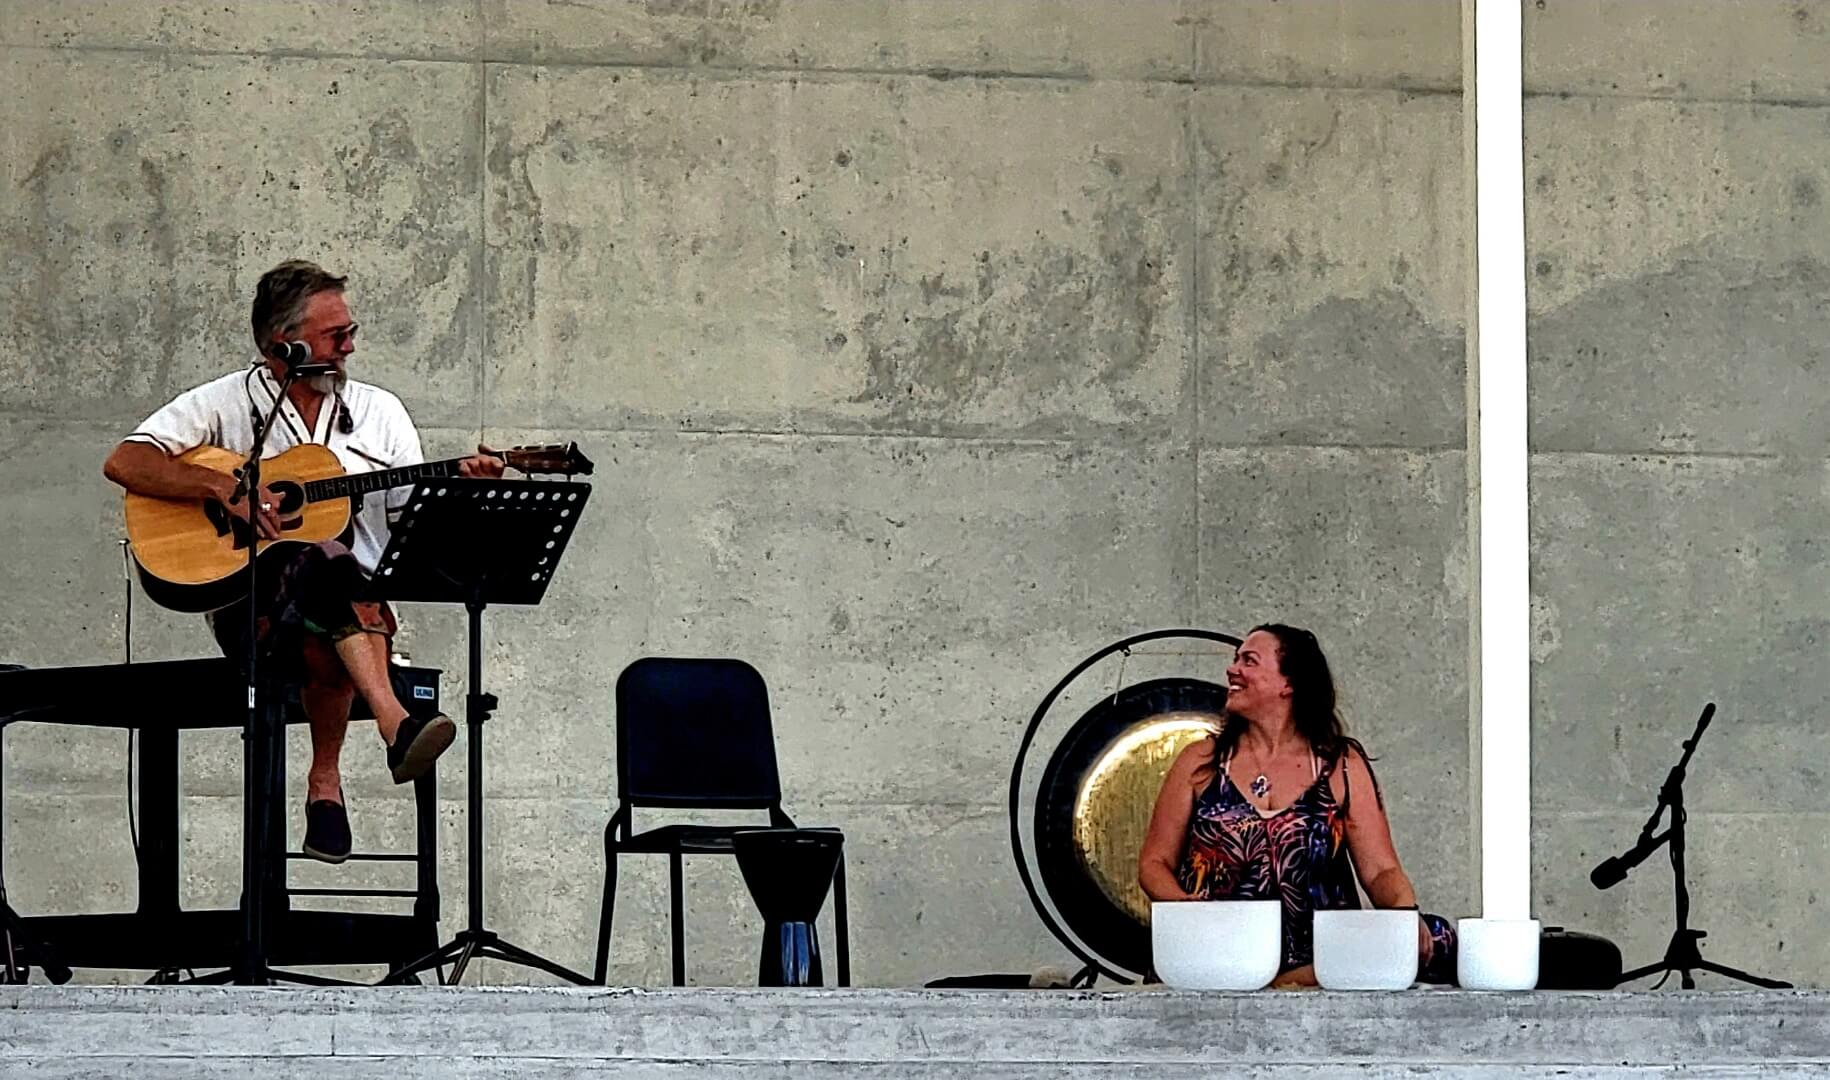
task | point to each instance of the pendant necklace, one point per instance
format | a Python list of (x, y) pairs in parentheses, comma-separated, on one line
[(1260, 785)]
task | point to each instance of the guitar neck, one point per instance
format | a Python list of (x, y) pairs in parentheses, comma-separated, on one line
[(352, 484)]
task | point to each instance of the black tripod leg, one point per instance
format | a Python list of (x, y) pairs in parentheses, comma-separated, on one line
[(463, 961), (307, 979), (1729, 972), (514, 954), (1641, 972), (437, 958)]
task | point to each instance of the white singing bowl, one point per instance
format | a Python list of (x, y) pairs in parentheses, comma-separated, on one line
[(1366, 950), (1217, 944)]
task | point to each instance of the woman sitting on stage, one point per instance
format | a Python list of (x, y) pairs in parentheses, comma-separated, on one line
[(1304, 816)]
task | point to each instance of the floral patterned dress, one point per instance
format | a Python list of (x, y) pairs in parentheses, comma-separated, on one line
[(1297, 855)]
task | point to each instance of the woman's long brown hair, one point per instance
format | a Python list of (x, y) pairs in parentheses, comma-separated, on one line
[(1312, 699)]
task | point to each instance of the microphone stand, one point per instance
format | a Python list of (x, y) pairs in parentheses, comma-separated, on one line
[(259, 743), (1682, 954)]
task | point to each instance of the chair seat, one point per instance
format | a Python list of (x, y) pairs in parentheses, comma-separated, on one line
[(713, 839)]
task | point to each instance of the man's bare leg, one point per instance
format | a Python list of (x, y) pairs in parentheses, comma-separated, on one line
[(413, 745), (365, 659), (326, 698)]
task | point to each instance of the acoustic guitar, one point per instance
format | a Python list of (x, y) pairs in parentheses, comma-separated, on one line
[(193, 554)]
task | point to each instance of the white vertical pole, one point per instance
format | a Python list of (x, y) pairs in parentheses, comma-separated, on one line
[(1505, 541)]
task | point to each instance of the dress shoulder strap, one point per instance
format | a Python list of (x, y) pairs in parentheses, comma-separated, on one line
[(1352, 746), (1326, 768)]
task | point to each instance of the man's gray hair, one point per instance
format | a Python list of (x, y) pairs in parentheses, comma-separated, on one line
[(279, 299)]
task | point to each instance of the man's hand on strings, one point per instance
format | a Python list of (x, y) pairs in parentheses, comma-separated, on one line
[(484, 464)]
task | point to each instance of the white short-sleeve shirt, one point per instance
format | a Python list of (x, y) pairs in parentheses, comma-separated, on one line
[(221, 413)]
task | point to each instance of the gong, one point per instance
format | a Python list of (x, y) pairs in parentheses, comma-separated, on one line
[(1092, 806)]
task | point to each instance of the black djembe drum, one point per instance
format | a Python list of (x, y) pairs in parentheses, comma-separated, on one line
[(788, 872)]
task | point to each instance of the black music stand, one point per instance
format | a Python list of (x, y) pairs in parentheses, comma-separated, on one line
[(479, 542)]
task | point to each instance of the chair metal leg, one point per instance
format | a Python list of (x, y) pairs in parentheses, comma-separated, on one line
[(840, 924), (601, 972), (675, 888)]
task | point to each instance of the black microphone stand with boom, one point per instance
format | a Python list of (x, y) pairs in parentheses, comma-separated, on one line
[(260, 741), (1682, 955)]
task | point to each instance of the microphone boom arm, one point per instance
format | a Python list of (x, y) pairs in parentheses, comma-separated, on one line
[(1670, 794)]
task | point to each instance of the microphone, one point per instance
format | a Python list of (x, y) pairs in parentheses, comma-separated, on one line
[(1613, 871), (290, 353), (296, 355)]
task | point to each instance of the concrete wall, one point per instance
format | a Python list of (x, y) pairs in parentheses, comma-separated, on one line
[(1680, 416), (925, 348)]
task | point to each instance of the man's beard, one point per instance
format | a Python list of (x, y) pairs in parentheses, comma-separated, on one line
[(328, 385)]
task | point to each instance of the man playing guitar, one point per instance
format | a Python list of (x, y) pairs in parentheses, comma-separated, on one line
[(316, 619)]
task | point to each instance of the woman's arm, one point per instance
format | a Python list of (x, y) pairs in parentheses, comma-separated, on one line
[(1175, 804), (1369, 838)]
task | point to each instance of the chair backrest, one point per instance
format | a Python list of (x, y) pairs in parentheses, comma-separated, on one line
[(694, 733)]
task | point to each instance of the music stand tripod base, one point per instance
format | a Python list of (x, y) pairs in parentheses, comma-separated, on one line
[(479, 542)]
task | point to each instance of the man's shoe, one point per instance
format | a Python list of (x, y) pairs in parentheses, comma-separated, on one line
[(326, 831), (417, 745)]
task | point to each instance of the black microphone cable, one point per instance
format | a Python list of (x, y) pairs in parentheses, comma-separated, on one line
[(133, 819)]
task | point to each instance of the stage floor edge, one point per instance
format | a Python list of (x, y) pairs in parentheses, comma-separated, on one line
[(539, 1032)]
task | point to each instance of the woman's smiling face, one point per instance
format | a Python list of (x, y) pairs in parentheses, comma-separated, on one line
[(1254, 682)]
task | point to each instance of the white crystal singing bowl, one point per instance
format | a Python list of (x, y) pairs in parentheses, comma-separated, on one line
[(1217, 944), (1497, 954), (1366, 950)]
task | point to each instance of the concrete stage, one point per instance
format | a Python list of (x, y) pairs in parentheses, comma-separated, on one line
[(64, 1033)]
